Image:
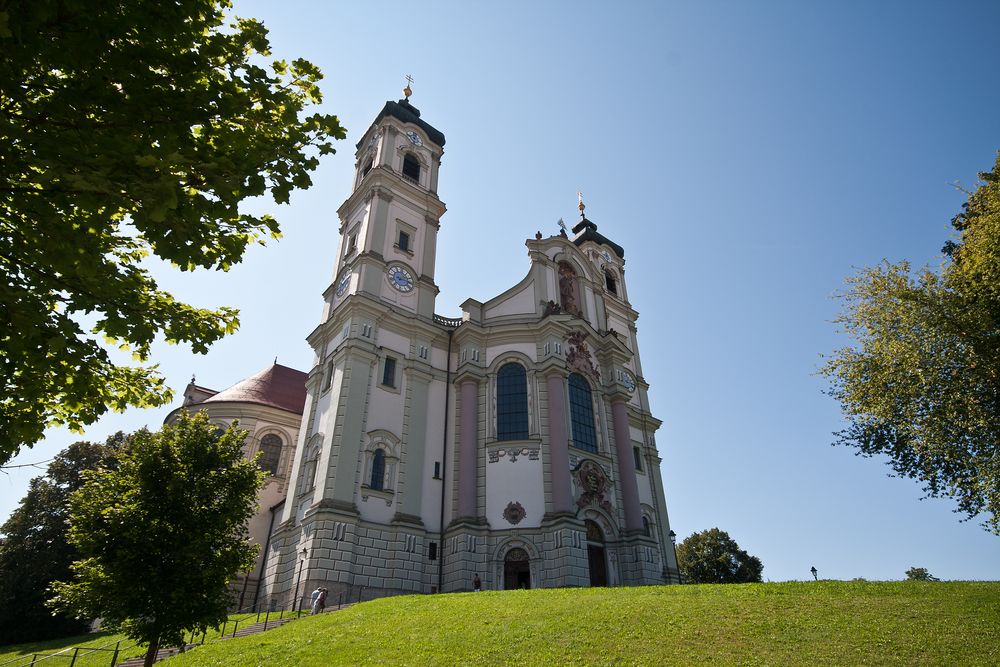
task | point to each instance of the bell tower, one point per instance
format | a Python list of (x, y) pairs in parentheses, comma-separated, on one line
[(389, 223), (371, 438)]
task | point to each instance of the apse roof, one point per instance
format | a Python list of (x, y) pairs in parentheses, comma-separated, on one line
[(277, 386)]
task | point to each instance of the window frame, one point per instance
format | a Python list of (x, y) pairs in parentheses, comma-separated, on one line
[(583, 426), (265, 448), (389, 367), (610, 282), (410, 158), (376, 479), (512, 412)]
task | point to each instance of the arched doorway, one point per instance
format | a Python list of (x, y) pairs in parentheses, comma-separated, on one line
[(516, 569), (596, 555)]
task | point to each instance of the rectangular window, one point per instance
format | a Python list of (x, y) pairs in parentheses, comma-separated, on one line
[(328, 379), (389, 372), (437, 470), (404, 241), (638, 458), (352, 244), (432, 551)]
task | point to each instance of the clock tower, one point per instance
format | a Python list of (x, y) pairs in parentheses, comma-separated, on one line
[(368, 454), (389, 223)]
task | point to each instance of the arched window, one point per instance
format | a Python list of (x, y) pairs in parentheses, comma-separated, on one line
[(581, 413), (411, 168), (610, 283), (367, 168), (270, 447), (378, 470), (645, 527), (512, 402)]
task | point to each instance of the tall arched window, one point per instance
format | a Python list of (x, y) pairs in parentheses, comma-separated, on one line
[(270, 447), (378, 470), (581, 413), (645, 527), (512, 402), (411, 168)]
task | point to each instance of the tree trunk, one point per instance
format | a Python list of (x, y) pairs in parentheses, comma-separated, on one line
[(154, 646)]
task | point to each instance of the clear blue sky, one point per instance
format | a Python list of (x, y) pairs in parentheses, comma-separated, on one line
[(748, 156)]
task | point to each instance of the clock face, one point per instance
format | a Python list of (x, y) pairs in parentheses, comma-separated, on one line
[(628, 381), (400, 278), (414, 138), (342, 285)]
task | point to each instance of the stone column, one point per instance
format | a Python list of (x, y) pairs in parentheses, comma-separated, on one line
[(415, 443), (342, 467), (562, 496), (468, 444), (626, 466)]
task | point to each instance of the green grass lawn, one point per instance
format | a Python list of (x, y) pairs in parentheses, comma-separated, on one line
[(88, 657), (831, 623)]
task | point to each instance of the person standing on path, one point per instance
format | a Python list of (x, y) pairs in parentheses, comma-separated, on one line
[(314, 599)]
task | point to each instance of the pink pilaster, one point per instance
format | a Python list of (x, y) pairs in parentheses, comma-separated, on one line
[(562, 497), (626, 466), (468, 439)]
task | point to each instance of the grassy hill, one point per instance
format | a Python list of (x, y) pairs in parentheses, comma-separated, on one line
[(824, 623), (833, 623)]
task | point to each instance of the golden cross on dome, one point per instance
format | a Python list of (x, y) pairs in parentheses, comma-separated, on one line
[(579, 196), (407, 91)]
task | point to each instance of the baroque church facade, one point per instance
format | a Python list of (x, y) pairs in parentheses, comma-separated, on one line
[(514, 443)]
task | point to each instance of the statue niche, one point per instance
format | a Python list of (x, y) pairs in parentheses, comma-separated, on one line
[(569, 295)]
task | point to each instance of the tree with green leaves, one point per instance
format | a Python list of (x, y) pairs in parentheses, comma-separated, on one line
[(712, 557), (921, 384), (919, 574), (128, 130), (161, 536), (34, 550)]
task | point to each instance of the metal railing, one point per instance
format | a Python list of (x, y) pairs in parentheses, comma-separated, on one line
[(72, 653), (229, 629)]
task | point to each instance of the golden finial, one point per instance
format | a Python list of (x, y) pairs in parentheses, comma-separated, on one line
[(407, 91), (579, 196)]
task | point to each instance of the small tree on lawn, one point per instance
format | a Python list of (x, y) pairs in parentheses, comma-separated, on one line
[(712, 557), (919, 574), (161, 536)]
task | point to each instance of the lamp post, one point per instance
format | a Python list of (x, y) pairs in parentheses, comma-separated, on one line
[(815, 573), (673, 544), (295, 600)]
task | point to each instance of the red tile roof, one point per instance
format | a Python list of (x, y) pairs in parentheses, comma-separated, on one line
[(278, 386)]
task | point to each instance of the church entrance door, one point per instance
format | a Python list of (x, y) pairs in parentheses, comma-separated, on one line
[(596, 556), (598, 566), (516, 570)]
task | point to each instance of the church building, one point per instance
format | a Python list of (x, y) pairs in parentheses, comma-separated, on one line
[(514, 443)]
